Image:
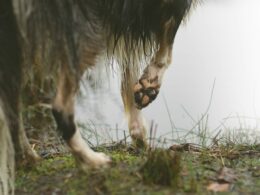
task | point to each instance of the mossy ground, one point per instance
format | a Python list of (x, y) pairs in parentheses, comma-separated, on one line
[(185, 169), (196, 170)]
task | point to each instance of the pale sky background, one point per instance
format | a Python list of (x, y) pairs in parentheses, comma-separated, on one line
[(221, 42)]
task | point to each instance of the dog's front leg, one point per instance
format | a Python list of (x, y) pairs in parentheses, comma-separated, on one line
[(63, 112), (136, 122), (147, 88)]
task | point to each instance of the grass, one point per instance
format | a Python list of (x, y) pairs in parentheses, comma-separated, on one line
[(225, 166), (158, 172)]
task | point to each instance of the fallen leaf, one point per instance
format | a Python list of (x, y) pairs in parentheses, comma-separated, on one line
[(217, 187)]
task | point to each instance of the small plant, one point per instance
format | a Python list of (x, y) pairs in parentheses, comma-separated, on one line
[(161, 167)]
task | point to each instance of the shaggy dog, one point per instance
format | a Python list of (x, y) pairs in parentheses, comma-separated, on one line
[(70, 35)]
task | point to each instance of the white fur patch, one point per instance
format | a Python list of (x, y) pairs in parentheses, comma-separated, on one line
[(87, 157)]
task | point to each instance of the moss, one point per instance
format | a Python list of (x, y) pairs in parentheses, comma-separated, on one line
[(162, 167), (159, 172)]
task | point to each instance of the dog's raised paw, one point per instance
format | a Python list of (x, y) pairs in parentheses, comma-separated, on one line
[(145, 91)]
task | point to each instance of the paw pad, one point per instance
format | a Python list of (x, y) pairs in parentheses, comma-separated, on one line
[(145, 91)]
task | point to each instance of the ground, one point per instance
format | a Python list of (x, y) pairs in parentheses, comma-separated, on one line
[(197, 172), (183, 169)]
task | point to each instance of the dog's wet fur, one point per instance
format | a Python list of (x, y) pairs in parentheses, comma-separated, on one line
[(70, 35)]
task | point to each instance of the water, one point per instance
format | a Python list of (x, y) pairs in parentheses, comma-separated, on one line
[(216, 53)]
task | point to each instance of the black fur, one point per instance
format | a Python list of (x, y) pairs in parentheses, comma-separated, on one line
[(138, 20), (65, 124)]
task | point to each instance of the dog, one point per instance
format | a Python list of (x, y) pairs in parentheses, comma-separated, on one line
[(70, 35), (10, 78)]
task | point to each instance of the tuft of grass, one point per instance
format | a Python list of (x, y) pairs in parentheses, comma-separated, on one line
[(161, 167)]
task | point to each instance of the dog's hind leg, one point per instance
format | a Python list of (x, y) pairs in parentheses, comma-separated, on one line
[(24, 154), (10, 81), (63, 112), (147, 89), (136, 122)]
